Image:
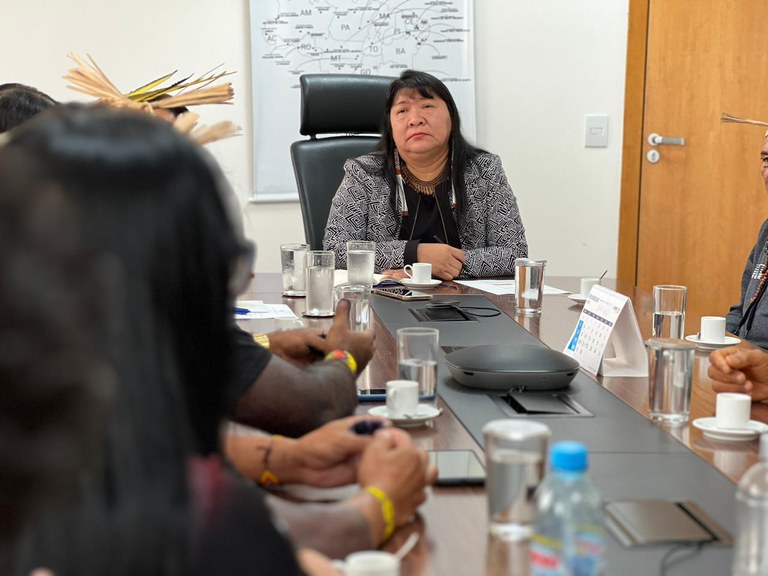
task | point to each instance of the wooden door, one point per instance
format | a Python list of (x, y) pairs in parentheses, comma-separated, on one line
[(699, 208)]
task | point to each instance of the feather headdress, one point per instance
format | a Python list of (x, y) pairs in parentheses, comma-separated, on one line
[(88, 78), (736, 120)]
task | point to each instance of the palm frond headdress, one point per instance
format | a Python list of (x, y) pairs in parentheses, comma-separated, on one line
[(87, 78), (737, 120)]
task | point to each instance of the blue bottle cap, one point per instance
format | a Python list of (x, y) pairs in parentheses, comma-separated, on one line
[(569, 456)]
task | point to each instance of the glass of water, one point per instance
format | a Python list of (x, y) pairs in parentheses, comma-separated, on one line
[(359, 298), (515, 457), (529, 285), (670, 379), (669, 311), (292, 258), (319, 273), (361, 258), (417, 360)]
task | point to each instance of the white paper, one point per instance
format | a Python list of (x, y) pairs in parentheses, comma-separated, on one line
[(607, 339), (257, 310), (501, 287)]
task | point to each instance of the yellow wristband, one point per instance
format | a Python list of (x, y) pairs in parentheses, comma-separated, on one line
[(387, 509), (262, 340), (345, 357)]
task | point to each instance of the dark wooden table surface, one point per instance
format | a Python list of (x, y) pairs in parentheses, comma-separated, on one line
[(453, 522)]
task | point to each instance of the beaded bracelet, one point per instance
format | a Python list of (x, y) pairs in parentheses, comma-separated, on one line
[(387, 509), (268, 477), (345, 357), (262, 340)]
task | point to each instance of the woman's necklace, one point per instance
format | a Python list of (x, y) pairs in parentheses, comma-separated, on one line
[(422, 187)]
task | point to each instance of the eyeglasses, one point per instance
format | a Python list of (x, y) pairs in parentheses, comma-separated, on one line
[(242, 269)]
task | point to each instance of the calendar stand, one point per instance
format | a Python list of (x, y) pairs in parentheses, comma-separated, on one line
[(607, 339)]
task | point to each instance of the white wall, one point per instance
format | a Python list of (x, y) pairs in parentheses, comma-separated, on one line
[(541, 66)]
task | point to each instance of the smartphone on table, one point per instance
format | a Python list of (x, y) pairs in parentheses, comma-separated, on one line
[(371, 394), (402, 293), (457, 467)]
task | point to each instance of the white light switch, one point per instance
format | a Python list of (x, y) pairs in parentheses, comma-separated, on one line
[(596, 131)]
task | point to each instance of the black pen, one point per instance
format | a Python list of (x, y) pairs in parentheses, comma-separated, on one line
[(438, 239)]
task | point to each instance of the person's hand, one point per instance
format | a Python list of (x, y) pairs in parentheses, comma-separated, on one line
[(329, 456), (315, 564), (393, 464), (359, 344), (398, 274), (297, 346), (446, 260), (739, 369)]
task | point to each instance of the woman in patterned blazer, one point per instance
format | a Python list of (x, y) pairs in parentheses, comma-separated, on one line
[(426, 194)]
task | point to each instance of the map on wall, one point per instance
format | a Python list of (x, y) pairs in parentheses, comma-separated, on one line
[(379, 37)]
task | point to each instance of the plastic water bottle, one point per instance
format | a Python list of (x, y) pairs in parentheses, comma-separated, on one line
[(569, 539), (750, 552)]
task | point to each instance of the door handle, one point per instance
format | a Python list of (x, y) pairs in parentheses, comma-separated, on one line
[(658, 140)]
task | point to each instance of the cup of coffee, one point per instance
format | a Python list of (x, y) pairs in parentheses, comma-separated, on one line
[(402, 398), (585, 285), (712, 329), (421, 272), (732, 411), (372, 563)]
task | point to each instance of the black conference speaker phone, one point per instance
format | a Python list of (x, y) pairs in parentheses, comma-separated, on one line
[(523, 368)]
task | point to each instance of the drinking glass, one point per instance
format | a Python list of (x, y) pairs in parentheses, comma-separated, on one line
[(292, 259), (361, 258), (319, 283), (669, 311), (529, 285), (670, 379), (516, 455), (359, 297), (417, 360)]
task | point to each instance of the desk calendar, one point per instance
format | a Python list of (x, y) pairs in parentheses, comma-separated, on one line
[(607, 338)]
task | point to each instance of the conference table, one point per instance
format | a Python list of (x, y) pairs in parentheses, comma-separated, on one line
[(631, 456)]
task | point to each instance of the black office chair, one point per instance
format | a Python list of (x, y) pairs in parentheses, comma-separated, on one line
[(347, 104)]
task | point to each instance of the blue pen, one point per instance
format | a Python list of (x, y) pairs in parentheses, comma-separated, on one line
[(242, 311)]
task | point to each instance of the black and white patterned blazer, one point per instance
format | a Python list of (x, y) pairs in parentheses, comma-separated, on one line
[(491, 232)]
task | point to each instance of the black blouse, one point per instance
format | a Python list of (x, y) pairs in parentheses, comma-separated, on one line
[(430, 219)]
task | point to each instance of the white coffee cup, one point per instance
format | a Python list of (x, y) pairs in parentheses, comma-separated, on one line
[(286, 324), (402, 398), (732, 411), (712, 329), (372, 563), (585, 285), (421, 272)]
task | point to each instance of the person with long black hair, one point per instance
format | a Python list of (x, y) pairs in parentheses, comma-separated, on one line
[(161, 500), (426, 194)]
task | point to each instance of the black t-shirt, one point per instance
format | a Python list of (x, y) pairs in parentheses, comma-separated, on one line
[(249, 360)]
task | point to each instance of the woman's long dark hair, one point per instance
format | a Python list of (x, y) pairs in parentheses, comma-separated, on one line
[(151, 199), (462, 152), (55, 384)]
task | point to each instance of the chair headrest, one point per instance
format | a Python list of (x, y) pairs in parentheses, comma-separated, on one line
[(342, 103)]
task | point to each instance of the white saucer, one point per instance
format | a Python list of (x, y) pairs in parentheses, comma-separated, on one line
[(580, 298), (729, 341), (308, 315), (424, 414), (420, 285), (710, 429)]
